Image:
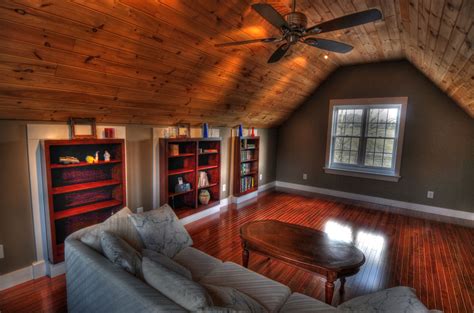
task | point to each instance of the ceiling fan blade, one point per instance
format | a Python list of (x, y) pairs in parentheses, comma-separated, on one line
[(279, 53), (346, 21), (270, 14), (330, 45), (244, 42)]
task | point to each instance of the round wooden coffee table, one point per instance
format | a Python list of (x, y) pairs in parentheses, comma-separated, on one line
[(304, 247)]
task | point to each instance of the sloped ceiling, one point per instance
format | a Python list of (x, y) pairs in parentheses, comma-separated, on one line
[(154, 61)]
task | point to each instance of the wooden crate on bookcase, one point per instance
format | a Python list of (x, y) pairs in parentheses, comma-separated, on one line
[(246, 151), (81, 194)]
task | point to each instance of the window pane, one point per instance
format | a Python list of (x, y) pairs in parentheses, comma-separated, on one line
[(387, 160), (379, 145), (391, 130), (349, 116), (345, 157), (370, 145), (340, 116), (373, 115), (348, 130), (347, 144), (358, 116), (392, 116), (338, 143), (356, 129), (388, 145), (383, 115), (355, 144), (353, 159), (372, 130), (340, 129), (369, 159), (378, 159), (381, 130), (337, 156)]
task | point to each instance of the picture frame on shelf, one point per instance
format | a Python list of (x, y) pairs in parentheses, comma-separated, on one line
[(83, 128), (183, 130)]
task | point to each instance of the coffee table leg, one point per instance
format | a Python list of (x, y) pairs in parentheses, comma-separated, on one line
[(245, 254), (343, 282), (330, 287)]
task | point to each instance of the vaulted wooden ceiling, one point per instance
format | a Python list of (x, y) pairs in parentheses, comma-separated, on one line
[(154, 61)]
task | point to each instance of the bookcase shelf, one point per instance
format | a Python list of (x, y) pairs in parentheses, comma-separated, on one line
[(246, 164), (81, 194), (187, 165)]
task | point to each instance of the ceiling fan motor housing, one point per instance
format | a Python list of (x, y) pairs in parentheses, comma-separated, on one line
[(296, 21)]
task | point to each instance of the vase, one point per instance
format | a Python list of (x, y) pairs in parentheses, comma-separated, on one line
[(204, 196)]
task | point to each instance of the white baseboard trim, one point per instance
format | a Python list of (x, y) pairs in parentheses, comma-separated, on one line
[(395, 203), (16, 277), (238, 200), (197, 216)]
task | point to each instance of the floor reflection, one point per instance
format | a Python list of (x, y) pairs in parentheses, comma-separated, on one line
[(371, 244)]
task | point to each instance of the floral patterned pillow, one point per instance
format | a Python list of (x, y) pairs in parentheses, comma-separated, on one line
[(161, 231)]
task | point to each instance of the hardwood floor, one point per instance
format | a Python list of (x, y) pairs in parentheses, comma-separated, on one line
[(434, 258)]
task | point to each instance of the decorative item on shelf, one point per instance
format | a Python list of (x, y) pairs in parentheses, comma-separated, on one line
[(252, 134), (241, 131), (184, 130), (83, 128), (90, 159), (174, 149), (96, 159), (173, 132), (203, 179), (205, 130), (106, 156), (109, 133), (181, 186), (166, 133), (68, 160), (204, 196), (200, 150)]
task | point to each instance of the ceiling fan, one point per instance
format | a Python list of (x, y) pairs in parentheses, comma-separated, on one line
[(293, 29)]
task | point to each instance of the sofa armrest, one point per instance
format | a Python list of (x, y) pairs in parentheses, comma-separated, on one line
[(95, 285), (396, 299)]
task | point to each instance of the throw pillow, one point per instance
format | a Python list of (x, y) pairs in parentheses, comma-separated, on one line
[(120, 253), (231, 298), (167, 262), (183, 291), (161, 231), (119, 224)]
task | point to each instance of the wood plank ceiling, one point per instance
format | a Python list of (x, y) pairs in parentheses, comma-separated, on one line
[(154, 61)]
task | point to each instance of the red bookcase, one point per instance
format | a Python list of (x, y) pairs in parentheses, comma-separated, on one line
[(81, 194), (191, 156)]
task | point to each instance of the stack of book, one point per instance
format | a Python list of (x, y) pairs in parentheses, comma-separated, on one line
[(247, 183), (245, 168), (246, 155), (246, 145)]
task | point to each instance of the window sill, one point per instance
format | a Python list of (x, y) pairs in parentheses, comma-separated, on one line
[(347, 172)]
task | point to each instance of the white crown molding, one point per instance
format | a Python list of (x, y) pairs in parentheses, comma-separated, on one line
[(383, 201)]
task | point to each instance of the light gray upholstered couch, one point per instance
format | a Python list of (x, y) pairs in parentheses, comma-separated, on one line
[(94, 284)]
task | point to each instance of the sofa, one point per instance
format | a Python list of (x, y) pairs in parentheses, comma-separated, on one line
[(96, 284)]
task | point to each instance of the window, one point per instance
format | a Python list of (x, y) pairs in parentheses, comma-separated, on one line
[(365, 137)]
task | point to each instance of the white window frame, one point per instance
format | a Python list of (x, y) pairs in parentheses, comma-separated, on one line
[(392, 175)]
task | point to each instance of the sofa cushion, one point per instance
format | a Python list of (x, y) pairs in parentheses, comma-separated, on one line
[(198, 262), (267, 292), (300, 303), (167, 262), (161, 231), (231, 298), (119, 224), (185, 292), (119, 252), (397, 299)]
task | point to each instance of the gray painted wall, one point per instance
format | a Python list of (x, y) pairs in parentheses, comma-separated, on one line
[(16, 221), (438, 151)]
